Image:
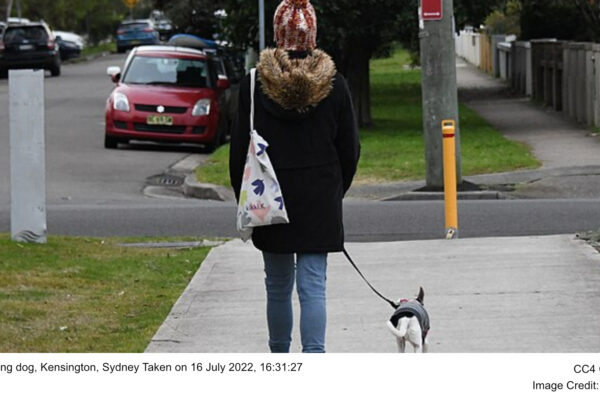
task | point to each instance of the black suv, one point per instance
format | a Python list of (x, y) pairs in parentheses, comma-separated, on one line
[(28, 45)]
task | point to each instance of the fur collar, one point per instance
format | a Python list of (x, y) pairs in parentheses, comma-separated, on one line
[(296, 84)]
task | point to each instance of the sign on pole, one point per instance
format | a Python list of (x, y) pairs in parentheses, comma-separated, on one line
[(431, 10), (131, 3), (27, 156)]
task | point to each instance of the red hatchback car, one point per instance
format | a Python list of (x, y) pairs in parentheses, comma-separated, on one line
[(166, 94)]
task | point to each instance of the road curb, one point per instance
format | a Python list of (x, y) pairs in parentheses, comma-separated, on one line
[(199, 190), (91, 57), (476, 195), (206, 191)]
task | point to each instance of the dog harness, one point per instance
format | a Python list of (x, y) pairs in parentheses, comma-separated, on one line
[(410, 309)]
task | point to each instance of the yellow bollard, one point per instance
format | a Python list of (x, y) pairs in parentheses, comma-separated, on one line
[(450, 198)]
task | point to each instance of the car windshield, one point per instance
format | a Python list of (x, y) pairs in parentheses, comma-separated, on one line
[(29, 34), (167, 71)]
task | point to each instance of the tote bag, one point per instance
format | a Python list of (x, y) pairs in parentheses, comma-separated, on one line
[(261, 201)]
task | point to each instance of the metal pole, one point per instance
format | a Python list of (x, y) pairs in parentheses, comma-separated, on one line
[(9, 4), (440, 100), (261, 24)]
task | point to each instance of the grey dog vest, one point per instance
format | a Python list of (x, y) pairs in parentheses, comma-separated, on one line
[(410, 309)]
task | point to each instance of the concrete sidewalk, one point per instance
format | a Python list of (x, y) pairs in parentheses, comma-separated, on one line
[(521, 294), (525, 294), (554, 139)]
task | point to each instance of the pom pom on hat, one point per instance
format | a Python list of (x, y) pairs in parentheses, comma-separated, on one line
[(295, 25)]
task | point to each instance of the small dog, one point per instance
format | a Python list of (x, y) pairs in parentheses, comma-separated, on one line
[(410, 322)]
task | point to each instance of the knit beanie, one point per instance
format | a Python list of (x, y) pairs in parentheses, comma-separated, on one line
[(295, 25)]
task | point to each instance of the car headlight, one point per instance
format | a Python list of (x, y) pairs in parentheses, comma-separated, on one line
[(201, 108), (120, 102)]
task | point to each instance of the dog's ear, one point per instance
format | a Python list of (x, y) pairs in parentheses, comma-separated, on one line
[(421, 295)]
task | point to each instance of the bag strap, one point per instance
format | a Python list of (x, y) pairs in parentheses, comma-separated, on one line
[(252, 86), (391, 303)]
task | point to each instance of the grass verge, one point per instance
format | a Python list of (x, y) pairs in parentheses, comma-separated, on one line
[(394, 150), (88, 294), (216, 168), (88, 51)]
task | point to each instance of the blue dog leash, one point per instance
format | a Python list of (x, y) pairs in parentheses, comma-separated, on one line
[(391, 303)]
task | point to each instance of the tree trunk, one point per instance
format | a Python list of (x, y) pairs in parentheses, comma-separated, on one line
[(357, 73)]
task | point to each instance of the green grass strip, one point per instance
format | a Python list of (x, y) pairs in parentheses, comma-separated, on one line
[(88, 295), (394, 150), (101, 48)]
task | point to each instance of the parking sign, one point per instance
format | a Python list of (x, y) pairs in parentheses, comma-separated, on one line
[(431, 10)]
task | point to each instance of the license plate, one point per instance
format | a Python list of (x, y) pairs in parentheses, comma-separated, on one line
[(135, 42), (26, 47), (159, 120)]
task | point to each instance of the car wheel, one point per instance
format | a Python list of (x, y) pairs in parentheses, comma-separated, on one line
[(120, 49), (3, 73), (110, 142), (55, 70)]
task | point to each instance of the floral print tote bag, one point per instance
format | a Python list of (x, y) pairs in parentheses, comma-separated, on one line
[(261, 202)]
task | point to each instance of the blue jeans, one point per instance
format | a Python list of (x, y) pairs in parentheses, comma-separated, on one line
[(309, 272)]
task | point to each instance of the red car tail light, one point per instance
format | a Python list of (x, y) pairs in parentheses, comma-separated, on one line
[(1, 45), (148, 30), (50, 44), (121, 32)]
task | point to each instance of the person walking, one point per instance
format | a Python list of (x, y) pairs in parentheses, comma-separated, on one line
[(303, 109)]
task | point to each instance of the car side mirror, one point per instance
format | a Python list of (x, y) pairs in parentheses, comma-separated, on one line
[(223, 83), (114, 73)]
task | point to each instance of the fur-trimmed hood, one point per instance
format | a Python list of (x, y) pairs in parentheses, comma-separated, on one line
[(297, 84)]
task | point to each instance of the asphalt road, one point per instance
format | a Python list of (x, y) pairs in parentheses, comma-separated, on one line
[(98, 192), (79, 169), (365, 221)]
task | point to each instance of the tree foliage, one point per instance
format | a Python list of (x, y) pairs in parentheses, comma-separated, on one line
[(193, 16), (507, 21), (474, 12), (560, 19), (351, 31), (590, 12)]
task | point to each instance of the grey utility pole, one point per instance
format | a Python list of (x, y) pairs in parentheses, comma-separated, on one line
[(440, 99), (9, 4), (261, 24)]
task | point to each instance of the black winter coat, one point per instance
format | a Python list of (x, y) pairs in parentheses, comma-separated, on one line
[(315, 155)]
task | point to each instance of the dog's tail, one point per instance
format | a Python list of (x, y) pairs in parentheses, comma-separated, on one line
[(399, 331)]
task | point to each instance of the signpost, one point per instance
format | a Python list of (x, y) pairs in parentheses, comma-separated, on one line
[(131, 4), (261, 23)]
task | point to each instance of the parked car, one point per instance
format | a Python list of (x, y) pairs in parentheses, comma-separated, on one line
[(15, 20), (70, 44), (29, 45), (163, 25), (166, 94), (226, 62), (134, 33)]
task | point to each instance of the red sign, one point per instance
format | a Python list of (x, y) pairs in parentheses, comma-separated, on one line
[(431, 10)]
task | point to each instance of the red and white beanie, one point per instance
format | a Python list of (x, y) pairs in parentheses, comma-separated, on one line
[(295, 25)]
